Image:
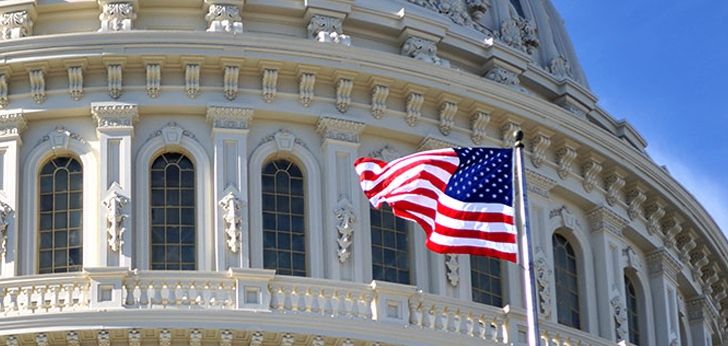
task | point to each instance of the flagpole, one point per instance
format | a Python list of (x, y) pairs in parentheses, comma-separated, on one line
[(529, 278)]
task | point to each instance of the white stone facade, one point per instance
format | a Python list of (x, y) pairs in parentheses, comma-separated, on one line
[(233, 84)]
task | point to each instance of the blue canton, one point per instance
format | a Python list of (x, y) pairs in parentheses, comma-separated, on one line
[(485, 175)]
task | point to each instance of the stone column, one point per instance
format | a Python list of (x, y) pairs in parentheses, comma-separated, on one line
[(607, 244), (115, 130), (701, 314), (663, 269), (230, 135), (12, 124), (341, 201)]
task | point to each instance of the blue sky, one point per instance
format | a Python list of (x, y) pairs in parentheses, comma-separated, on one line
[(663, 66)]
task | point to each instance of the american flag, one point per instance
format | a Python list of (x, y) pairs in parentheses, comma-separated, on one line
[(462, 197)]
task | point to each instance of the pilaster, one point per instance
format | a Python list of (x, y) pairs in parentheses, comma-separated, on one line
[(12, 124), (115, 129), (230, 128), (341, 202), (606, 240), (663, 269), (701, 315)]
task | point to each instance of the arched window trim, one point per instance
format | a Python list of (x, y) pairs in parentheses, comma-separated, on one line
[(78, 149), (306, 161), (644, 299), (203, 198)]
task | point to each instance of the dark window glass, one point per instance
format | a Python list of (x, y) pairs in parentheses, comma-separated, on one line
[(284, 229), (485, 274), (633, 313), (517, 5), (567, 282), (172, 182), (390, 246), (59, 224)]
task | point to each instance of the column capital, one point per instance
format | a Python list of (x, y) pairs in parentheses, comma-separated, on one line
[(701, 309), (229, 118), (661, 261), (539, 183), (12, 123), (114, 115), (602, 219), (339, 129), (432, 143)]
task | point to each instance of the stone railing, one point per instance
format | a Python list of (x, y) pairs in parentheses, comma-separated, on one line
[(258, 290)]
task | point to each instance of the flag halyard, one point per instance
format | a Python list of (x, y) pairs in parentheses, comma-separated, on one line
[(461, 197)]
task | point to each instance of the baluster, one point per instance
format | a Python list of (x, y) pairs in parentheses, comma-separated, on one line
[(153, 297), (469, 325), (361, 307), (281, 298), (349, 304), (14, 299), (445, 319), (141, 295), (432, 317), (195, 298), (295, 298), (335, 303), (499, 330), (164, 294), (179, 298), (321, 301), (485, 332), (3, 295), (308, 300), (457, 322), (25, 299)]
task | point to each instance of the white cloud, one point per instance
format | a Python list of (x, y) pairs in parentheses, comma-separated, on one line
[(710, 192)]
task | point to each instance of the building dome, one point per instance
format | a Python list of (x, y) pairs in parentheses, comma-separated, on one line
[(179, 172)]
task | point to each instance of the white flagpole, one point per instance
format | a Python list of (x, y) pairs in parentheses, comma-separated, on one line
[(529, 278)]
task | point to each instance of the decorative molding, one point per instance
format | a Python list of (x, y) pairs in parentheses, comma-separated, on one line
[(318, 340), (172, 133), (135, 337), (231, 74), (631, 259), (226, 337), (339, 129), (604, 219), (285, 140), (413, 107), (567, 219), (635, 197), (256, 339), (270, 84), (12, 123), (72, 339), (379, 100), (560, 68), (422, 49), (5, 212), (544, 283), (619, 312), (224, 18), (386, 153), (448, 109), (479, 122), (327, 30), (565, 157), (116, 16), (114, 77), (592, 167), (502, 76), (452, 269), (287, 340), (654, 211), (343, 94), (154, 79), (699, 258), (539, 144), (538, 183), (192, 79), (41, 339), (114, 115), (671, 227), (431, 143), (61, 137), (103, 338), (520, 34), (232, 217), (465, 13), (75, 82), (661, 261), (195, 337), (165, 337), (508, 132), (615, 182), (12, 340), (15, 25), (225, 117), (345, 221), (307, 81), (685, 243), (37, 85), (114, 204), (4, 90)]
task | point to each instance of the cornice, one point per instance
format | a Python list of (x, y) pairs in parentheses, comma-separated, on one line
[(227, 117), (339, 129), (12, 123)]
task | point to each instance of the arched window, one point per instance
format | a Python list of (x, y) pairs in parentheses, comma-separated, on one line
[(173, 213), (61, 205), (567, 282), (390, 246), (633, 311), (486, 285), (284, 226)]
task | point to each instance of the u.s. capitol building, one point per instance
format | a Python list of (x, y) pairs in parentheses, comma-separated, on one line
[(179, 172)]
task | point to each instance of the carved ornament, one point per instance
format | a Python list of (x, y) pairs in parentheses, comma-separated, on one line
[(12, 123), (114, 205), (345, 221), (544, 282), (339, 129), (231, 207), (16, 25), (224, 117), (117, 16), (452, 267), (422, 49), (224, 18), (328, 30), (114, 115)]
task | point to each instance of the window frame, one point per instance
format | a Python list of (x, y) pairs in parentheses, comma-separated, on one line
[(306, 161), (503, 280), (578, 273), (146, 155), (410, 246)]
